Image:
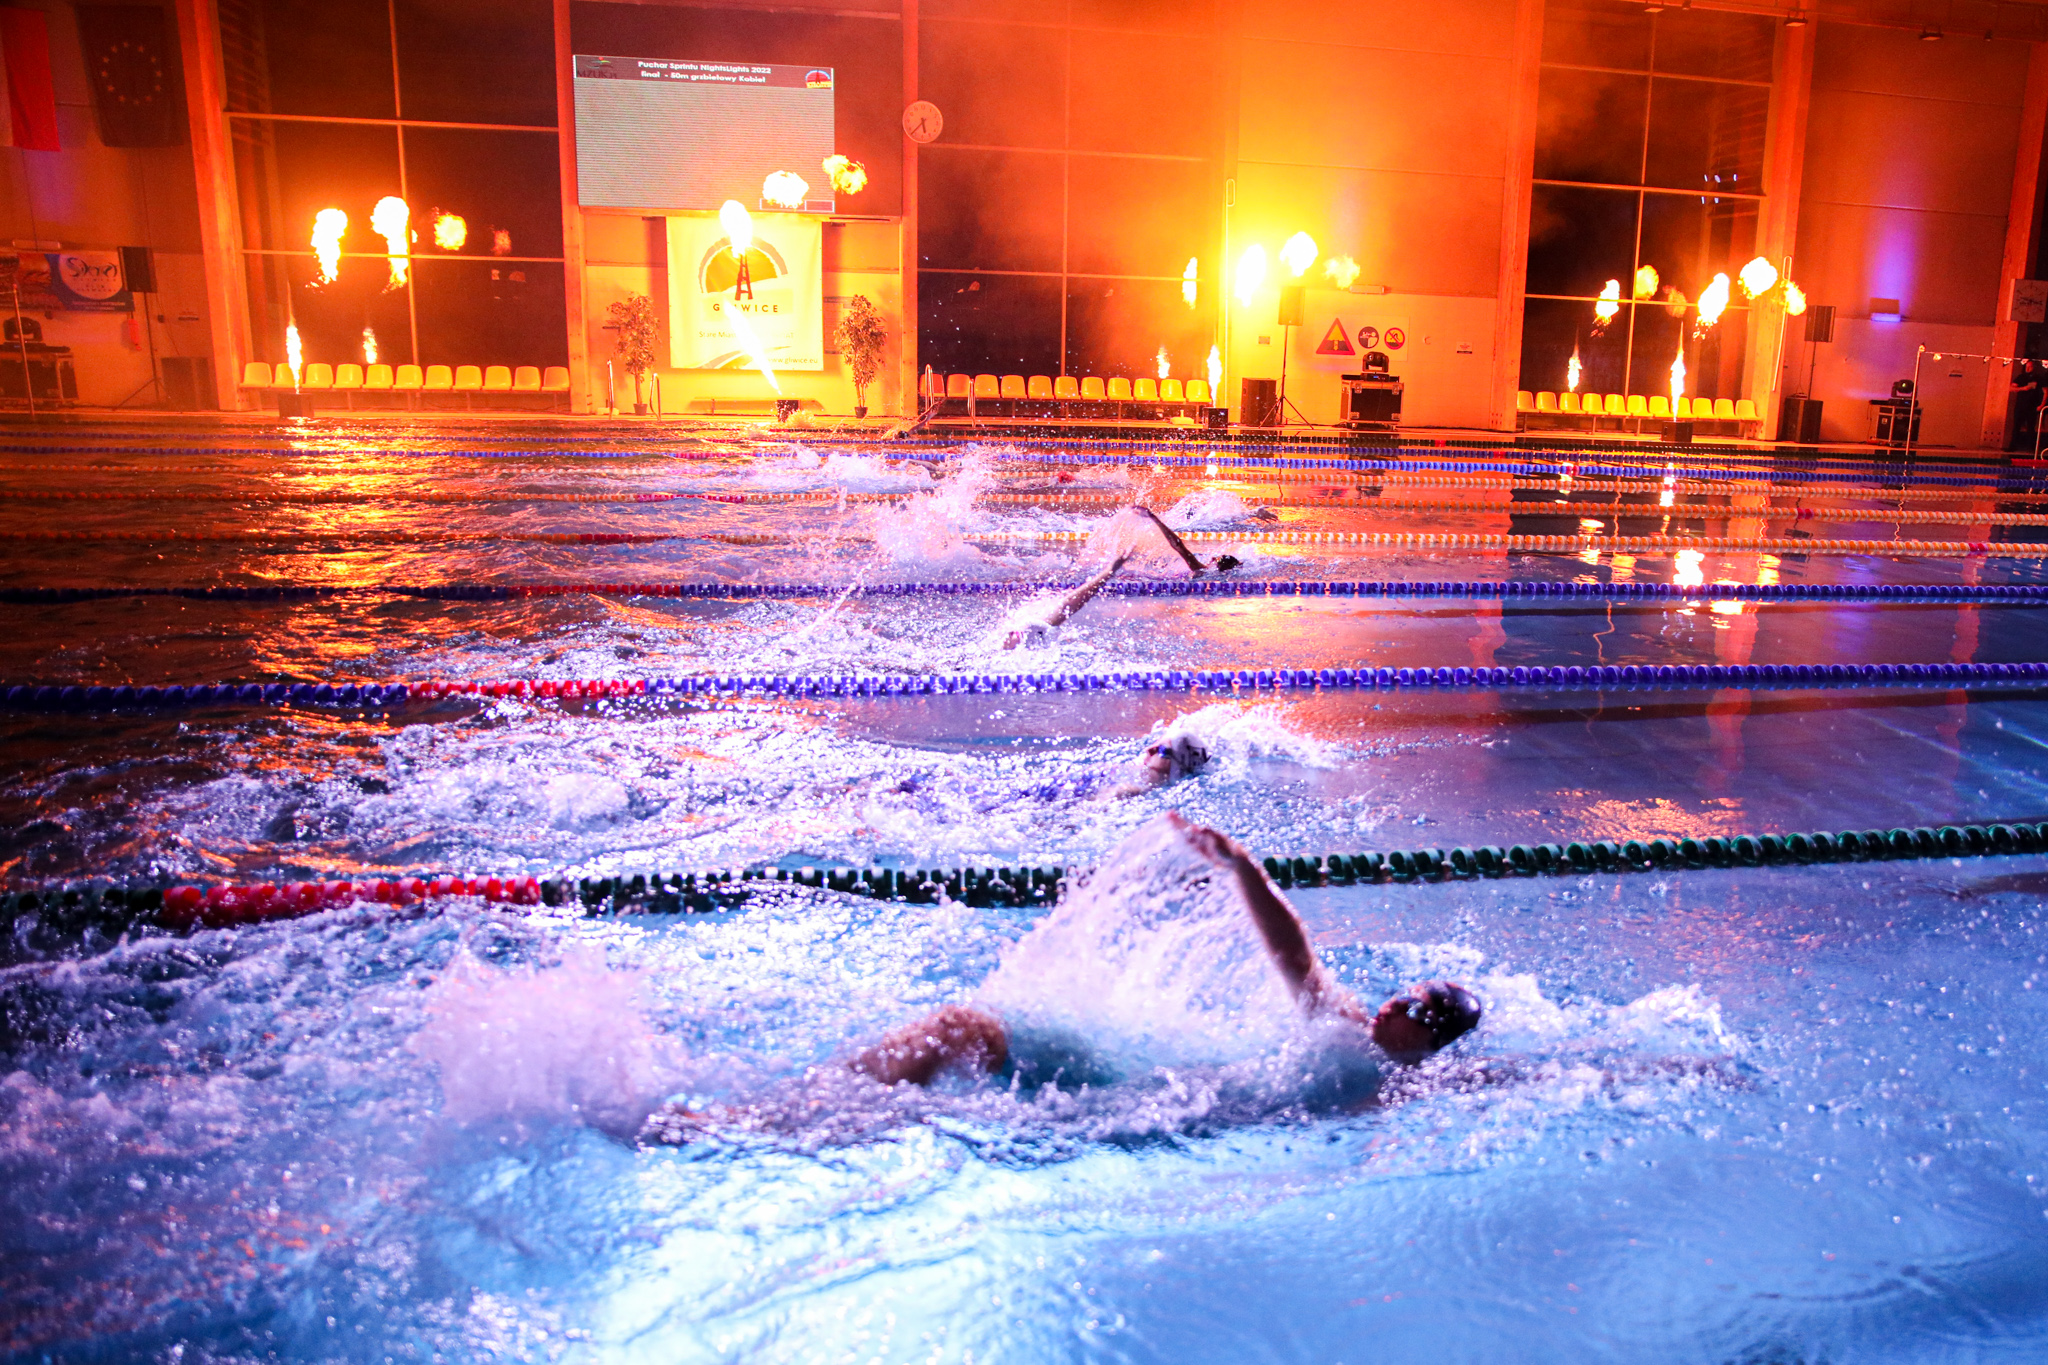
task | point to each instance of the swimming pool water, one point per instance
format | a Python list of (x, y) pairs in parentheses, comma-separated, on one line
[(1755, 1115)]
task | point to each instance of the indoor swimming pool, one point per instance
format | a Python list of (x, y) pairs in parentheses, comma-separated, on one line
[(1755, 1114)]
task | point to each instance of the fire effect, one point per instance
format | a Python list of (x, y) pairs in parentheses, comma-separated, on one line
[(1165, 365), (1675, 302), (785, 189), (1187, 283), (1757, 277), (392, 220), (369, 345), (1251, 272), (739, 235), (451, 231), (1609, 305), (1573, 369), (1341, 271), (1713, 300), (294, 352), (1298, 254), (1795, 300), (329, 226), (847, 175), (501, 242), (1215, 374), (1646, 282), (1678, 378)]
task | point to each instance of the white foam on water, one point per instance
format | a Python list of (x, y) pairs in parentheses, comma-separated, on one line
[(1236, 733), (1209, 510)]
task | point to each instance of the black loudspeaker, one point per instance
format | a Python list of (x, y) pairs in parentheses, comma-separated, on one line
[(1799, 420), (188, 383), (138, 268), (1293, 305), (1258, 403), (1820, 322)]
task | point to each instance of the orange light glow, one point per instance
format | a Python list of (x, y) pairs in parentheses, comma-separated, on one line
[(847, 175), (1757, 277), (1678, 378), (1298, 254), (738, 225), (294, 352), (451, 231), (1573, 369), (785, 189), (739, 234), (1342, 271), (1713, 299), (501, 242), (1686, 571), (1646, 282), (391, 220), (1187, 282), (1795, 299), (369, 345), (1165, 365), (329, 226), (1215, 374), (1607, 307), (1251, 272)]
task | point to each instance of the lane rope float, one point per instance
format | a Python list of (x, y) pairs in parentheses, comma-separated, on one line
[(804, 686), (76, 906)]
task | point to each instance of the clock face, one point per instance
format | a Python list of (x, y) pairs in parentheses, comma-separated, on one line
[(922, 122)]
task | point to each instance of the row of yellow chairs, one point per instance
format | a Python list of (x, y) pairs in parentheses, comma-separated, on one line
[(1656, 407), (318, 376), (1068, 389)]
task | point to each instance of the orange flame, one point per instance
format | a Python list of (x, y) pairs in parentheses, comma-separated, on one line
[(390, 219), (1607, 307), (294, 353), (1165, 365), (1757, 277), (738, 225), (451, 231), (1646, 282), (329, 225), (1251, 272), (501, 241), (1342, 271), (847, 176), (1215, 374), (369, 345), (1678, 378), (784, 189), (1298, 254), (1572, 370), (739, 233), (1713, 299), (1795, 300), (1187, 283)]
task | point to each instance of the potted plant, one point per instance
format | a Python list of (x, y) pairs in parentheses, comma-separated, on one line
[(859, 337), (637, 347)]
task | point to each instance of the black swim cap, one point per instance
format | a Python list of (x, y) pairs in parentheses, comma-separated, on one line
[(1445, 1008)]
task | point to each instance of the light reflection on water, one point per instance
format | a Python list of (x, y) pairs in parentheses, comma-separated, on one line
[(1770, 1115)]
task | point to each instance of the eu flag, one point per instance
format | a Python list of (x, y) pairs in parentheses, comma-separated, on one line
[(131, 57)]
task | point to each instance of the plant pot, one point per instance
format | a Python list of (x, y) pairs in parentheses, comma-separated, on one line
[(639, 409), (860, 409)]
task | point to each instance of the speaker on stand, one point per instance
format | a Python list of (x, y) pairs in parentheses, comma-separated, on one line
[(138, 272), (1799, 413), (1293, 312)]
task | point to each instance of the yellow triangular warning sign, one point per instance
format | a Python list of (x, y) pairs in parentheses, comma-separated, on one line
[(1336, 341)]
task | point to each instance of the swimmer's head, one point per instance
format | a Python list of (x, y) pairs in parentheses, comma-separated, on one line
[(1175, 758), (1424, 1018)]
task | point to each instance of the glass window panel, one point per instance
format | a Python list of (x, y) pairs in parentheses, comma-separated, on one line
[(983, 210), (491, 313), (1157, 95), (1716, 361), (989, 324), (1699, 42), (1689, 242), (1596, 34), (1130, 217), (331, 316), (1589, 127), (285, 57), (1706, 134), (493, 180), (1117, 327), (1579, 239), (1550, 329), (477, 61), (999, 85), (1161, 16), (288, 172), (1653, 340)]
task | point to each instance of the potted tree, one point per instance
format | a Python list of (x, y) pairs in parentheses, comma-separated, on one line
[(859, 337), (637, 347)]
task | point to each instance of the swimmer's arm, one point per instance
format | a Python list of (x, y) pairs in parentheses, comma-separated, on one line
[(955, 1037), (1279, 926), (1077, 599), (1178, 546)]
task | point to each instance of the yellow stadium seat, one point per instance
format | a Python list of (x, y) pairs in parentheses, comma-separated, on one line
[(1091, 388), (1745, 411), (1568, 402), (1724, 410), (1638, 406), (1120, 388), (1546, 402), (1617, 406), (348, 376), (1145, 390), (959, 385), (409, 379), (526, 379), (468, 378), (1525, 401), (439, 379), (498, 379), (1703, 409), (1039, 387), (377, 377), (256, 375), (1013, 386), (1169, 391), (318, 375), (1198, 390), (1066, 387), (987, 386), (555, 379), (1660, 407)]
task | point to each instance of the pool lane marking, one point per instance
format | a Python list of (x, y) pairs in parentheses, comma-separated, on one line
[(806, 686)]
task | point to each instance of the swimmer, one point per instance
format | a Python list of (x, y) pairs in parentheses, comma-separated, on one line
[(1035, 631), (1409, 1027), (1163, 764), (1195, 566)]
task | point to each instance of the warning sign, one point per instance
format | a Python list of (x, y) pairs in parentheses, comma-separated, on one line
[(1336, 341)]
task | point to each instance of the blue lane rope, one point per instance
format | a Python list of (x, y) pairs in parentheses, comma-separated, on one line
[(1573, 677), (2015, 594)]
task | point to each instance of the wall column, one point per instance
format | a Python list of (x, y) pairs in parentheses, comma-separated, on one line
[(2022, 225), (1777, 229), (912, 400), (1516, 195), (227, 315), (572, 216)]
